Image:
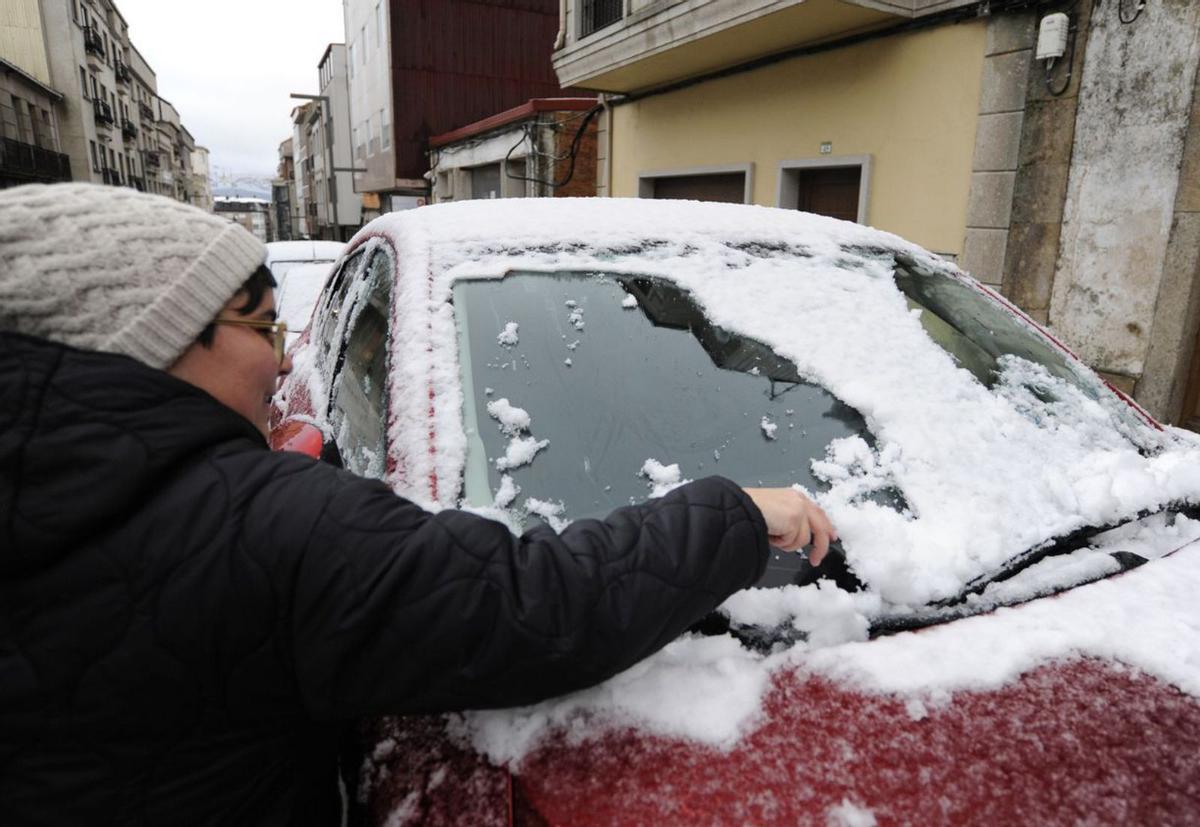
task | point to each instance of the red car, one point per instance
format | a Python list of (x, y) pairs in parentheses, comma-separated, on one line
[(1007, 632)]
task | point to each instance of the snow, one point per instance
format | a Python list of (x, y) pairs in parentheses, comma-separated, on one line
[(512, 419), (663, 479), (520, 451), (985, 472), (629, 302), (508, 336), (849, 814), (551, 512), (768, 428), (507, 493)]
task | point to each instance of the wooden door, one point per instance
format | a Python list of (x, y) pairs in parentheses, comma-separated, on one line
[(831, 191)]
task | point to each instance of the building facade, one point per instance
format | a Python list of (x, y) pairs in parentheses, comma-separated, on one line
[(105, 114), (936, 120), (200, 189), (29, 145), (543, 148), (339, 211), (417, 69), (252, 213), (283, 195)]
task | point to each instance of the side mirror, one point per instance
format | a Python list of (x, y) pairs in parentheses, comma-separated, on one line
[(301, 437)]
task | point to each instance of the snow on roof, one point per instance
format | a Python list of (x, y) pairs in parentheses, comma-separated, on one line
[(984, 476)]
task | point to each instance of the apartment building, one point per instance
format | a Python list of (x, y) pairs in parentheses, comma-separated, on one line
[(418, 69), (283, 194), (305, 218), (1069, 183), (339, 209), (105, 111), (29, 145), (200, 188)]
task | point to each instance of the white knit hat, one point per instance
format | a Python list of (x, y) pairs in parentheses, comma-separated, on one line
[(112, 269)]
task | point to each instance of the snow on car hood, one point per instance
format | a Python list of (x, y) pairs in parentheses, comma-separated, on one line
[(983, 478)]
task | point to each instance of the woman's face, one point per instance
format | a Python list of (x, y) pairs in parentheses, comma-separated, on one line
[(239, 369)]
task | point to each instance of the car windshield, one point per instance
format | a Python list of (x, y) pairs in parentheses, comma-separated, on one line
[(588, 391)]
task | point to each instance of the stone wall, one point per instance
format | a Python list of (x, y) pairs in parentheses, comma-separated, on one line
[(1134, 106)]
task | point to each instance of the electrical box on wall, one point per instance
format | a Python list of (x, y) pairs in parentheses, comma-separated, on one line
[(1052, 36)]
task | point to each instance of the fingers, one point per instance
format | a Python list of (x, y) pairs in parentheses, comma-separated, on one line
[(794, 521)]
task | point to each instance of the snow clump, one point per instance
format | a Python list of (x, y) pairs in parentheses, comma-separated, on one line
[(663, 479), (520, 451), (849, 814), (629, 302), (511, 418), (549, 511), (508, 336), (768, 428), (507, 493)]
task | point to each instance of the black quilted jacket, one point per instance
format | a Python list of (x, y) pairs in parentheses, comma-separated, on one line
[(187, 618)]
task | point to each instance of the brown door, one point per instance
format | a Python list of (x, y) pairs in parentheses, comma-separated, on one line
[(729, 187), (831, 191)]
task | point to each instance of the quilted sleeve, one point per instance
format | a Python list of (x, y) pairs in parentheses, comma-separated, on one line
[(396, 610)]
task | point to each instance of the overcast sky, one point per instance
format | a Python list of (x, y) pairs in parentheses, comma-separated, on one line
[(229, 65)]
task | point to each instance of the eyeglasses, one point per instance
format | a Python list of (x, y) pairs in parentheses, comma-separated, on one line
[(276, 332)]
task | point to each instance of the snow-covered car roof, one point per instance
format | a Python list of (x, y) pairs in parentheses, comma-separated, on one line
[(986, 472), (303, 251)]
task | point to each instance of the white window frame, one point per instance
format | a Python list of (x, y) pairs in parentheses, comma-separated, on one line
[(787, 193), (646, 179)]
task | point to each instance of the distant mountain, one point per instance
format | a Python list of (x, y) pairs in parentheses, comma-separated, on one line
[(243, 191)]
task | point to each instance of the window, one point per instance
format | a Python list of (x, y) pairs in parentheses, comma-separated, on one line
[(83, 82), (95, 157), (358, 411), (385, 132), (363, 39), (350, 62), (95, 88), (485, 181), (689, 393), (378, 25), (598, 14)]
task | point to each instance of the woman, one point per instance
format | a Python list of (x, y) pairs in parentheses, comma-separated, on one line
[(186, 618)]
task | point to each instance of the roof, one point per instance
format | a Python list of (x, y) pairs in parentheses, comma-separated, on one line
[(516, 114)]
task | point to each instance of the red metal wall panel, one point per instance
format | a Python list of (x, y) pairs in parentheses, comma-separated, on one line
[(458, 61)]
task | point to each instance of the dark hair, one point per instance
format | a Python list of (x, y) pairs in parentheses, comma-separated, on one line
[(254, 288)]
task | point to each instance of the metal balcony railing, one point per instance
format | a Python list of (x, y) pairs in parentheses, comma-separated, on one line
[(152, 159), (103, 112), (33, 163), (93, 43), (128, 129), (111, 176), (122, 71), (146, 111), (599, 14)]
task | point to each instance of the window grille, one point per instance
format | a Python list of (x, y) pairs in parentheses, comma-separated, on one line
[(597, 14)]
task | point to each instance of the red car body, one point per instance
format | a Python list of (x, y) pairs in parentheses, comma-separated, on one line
[(1071, 740)]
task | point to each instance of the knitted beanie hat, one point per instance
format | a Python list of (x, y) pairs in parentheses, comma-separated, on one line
[(112, 269)]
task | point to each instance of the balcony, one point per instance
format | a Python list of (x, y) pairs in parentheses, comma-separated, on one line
[(103, 113), (93, 43), (137, 183), (128, 129), (657, 43), (111, 176), (122, 71), (26, 162), (146, 112), (152, 159)]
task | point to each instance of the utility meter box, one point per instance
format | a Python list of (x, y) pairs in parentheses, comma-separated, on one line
[(1052, 36)]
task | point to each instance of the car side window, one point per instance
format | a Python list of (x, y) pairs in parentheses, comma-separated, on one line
[(358, 411), (334, 309)]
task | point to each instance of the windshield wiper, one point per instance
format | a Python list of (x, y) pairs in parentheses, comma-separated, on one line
[(958, 606)]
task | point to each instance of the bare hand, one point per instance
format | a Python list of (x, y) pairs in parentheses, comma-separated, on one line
[(793, 520)]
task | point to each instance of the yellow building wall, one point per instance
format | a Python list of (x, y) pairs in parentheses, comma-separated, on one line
[(909, 101), (21, 40)]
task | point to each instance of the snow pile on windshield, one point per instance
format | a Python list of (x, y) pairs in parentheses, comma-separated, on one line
[(663, 479), (986, 473)]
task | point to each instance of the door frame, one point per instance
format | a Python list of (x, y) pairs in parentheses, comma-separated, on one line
[(646, 179), (788, 190)]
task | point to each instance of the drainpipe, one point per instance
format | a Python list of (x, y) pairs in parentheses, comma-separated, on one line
[(605, 101), (560, 39)]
